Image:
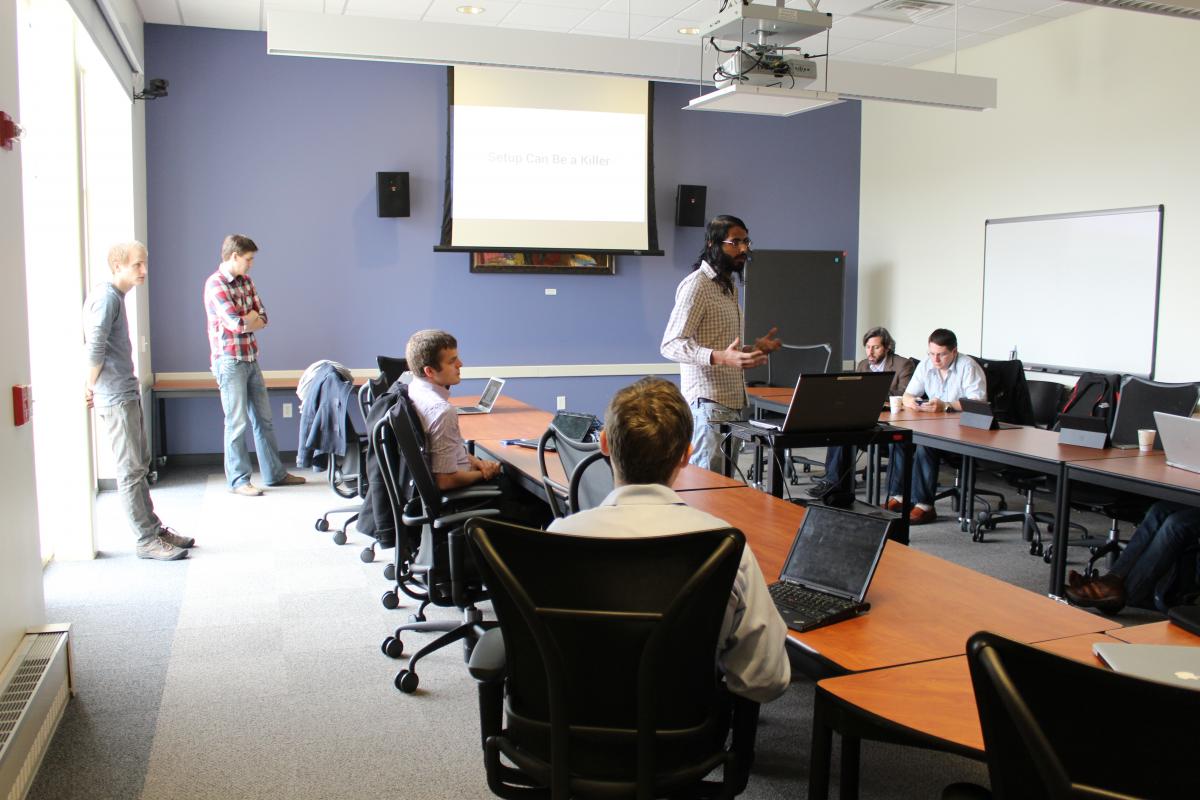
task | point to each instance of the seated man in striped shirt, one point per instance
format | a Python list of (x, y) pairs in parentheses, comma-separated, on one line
[(234, 313)]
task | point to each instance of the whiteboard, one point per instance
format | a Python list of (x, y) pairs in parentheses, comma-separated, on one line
[(1074, 292)]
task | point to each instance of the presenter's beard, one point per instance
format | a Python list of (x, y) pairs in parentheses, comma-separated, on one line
[(727, 265)]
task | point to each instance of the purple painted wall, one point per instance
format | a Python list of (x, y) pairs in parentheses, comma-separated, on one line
[(286, 149)]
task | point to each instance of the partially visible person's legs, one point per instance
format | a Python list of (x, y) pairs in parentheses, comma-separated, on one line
[(232, 380), (123, 424), (263, 426), (1146, 571), (706, 436)]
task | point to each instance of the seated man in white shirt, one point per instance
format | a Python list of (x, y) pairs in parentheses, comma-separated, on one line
[(940, 381), (647, 430)]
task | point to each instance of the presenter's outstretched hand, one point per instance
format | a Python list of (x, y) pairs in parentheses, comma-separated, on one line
[(735, 356), (768, 343)]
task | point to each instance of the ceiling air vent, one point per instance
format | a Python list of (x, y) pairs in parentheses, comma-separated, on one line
[(904, 10), (1188, 9)]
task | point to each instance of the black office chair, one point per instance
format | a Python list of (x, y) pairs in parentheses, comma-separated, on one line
[(602, 679), (437, 571), (791, 361), (1042, 743), (589, 474), (347, 476)]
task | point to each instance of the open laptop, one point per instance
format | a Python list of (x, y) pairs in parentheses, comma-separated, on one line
[(1180, 440), (1165, 663), (979, 414), (835, 401), (487, 399), (829, 567)]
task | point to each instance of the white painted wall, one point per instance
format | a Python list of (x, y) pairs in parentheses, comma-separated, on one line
[(1096, 110), (21, 600)]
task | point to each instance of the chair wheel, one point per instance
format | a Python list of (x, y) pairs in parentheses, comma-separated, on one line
[(339, 537), (392, 647), (390, 600), (416, 617), (977, 536), (407, 681), (389, 572), (321, 524), (367, 555)]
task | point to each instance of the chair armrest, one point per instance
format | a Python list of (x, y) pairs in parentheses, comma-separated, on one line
[(488, 659), (414, 519), (471, 493), (454, 519)]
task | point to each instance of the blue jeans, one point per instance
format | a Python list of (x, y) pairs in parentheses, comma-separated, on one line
[(1153, 563), (706, 437), (924, 474), (244, 399)]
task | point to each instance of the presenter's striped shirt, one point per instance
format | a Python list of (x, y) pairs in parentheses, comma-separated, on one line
[(705, 318)]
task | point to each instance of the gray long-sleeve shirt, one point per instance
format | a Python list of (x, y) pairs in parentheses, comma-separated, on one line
[(106, 334)]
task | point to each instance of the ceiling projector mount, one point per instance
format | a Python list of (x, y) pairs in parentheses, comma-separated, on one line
[(767, 71)]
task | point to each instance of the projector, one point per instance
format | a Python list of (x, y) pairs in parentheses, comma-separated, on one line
[(768, 69), (765, 24)]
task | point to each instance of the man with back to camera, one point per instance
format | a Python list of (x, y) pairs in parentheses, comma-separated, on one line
[(881, 356), (704, 334), (433, 360), (234, 312), (112, 389), (945, 378), (646, 432)]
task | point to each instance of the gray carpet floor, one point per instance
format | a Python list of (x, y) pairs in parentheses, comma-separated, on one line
[(253, 668)]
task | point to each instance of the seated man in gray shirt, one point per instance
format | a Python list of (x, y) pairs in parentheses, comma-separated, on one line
[(647, 430), (112, 389)]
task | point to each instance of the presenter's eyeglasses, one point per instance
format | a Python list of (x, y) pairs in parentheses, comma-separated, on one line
[(737, 243)]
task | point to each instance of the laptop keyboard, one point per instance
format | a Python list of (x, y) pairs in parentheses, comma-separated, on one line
[(806, 601)]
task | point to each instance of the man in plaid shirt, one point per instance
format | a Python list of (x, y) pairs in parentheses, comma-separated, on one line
[(234, 313), (704, 334)]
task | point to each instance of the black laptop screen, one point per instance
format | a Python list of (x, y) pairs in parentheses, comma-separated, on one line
[(836, 551)]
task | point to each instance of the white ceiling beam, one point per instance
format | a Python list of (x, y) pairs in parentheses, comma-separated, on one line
[(329, 36)]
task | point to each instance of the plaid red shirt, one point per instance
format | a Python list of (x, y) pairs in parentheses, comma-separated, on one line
[(227, 300)]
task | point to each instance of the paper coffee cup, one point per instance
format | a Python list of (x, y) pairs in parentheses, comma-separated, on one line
[(895, 402), (1146, 439)]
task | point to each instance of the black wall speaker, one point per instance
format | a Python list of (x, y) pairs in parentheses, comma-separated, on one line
[(689, 206), (391, 189)]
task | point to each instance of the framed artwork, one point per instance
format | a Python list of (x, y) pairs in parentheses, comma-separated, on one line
[(543, 262)]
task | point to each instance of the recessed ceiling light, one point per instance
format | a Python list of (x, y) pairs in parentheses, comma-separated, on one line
[(689, 31), (470, 10)]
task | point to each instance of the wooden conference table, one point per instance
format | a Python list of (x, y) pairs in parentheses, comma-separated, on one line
[(930, 704), (923, 608)]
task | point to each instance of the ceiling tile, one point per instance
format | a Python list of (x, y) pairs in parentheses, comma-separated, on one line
[(863, 28), (668, 31), (603, 23), (650, 8), (878, 51), (838, 7), (161, 12), (494, 12), (928, 54), (1016, 6), (234, 14), (387, 9), (921, 36), (1063, 10), (1017, 25), (311, 6), (590, 5), (841, 44), (542, 18), (970, 18)]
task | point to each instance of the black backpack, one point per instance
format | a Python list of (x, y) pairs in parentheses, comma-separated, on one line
[(1095, 395)]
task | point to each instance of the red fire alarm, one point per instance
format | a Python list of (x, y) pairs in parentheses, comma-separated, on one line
[(9, 131), (22, 404)]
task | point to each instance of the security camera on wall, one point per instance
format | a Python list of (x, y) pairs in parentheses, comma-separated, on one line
[(155, 88)]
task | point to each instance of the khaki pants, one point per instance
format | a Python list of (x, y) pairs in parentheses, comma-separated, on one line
[(123, 423)]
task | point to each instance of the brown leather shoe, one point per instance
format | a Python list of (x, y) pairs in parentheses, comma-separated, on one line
[(893, 504), (1106, 594), (288, 480), (922, 516), (1077, 579)]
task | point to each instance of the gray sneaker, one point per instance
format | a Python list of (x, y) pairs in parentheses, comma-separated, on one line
[(171, 536), (161, 551)]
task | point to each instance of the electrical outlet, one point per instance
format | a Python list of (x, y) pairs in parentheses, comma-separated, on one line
[(561, 402), (145, 343), (287, 410), (551, 292)]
